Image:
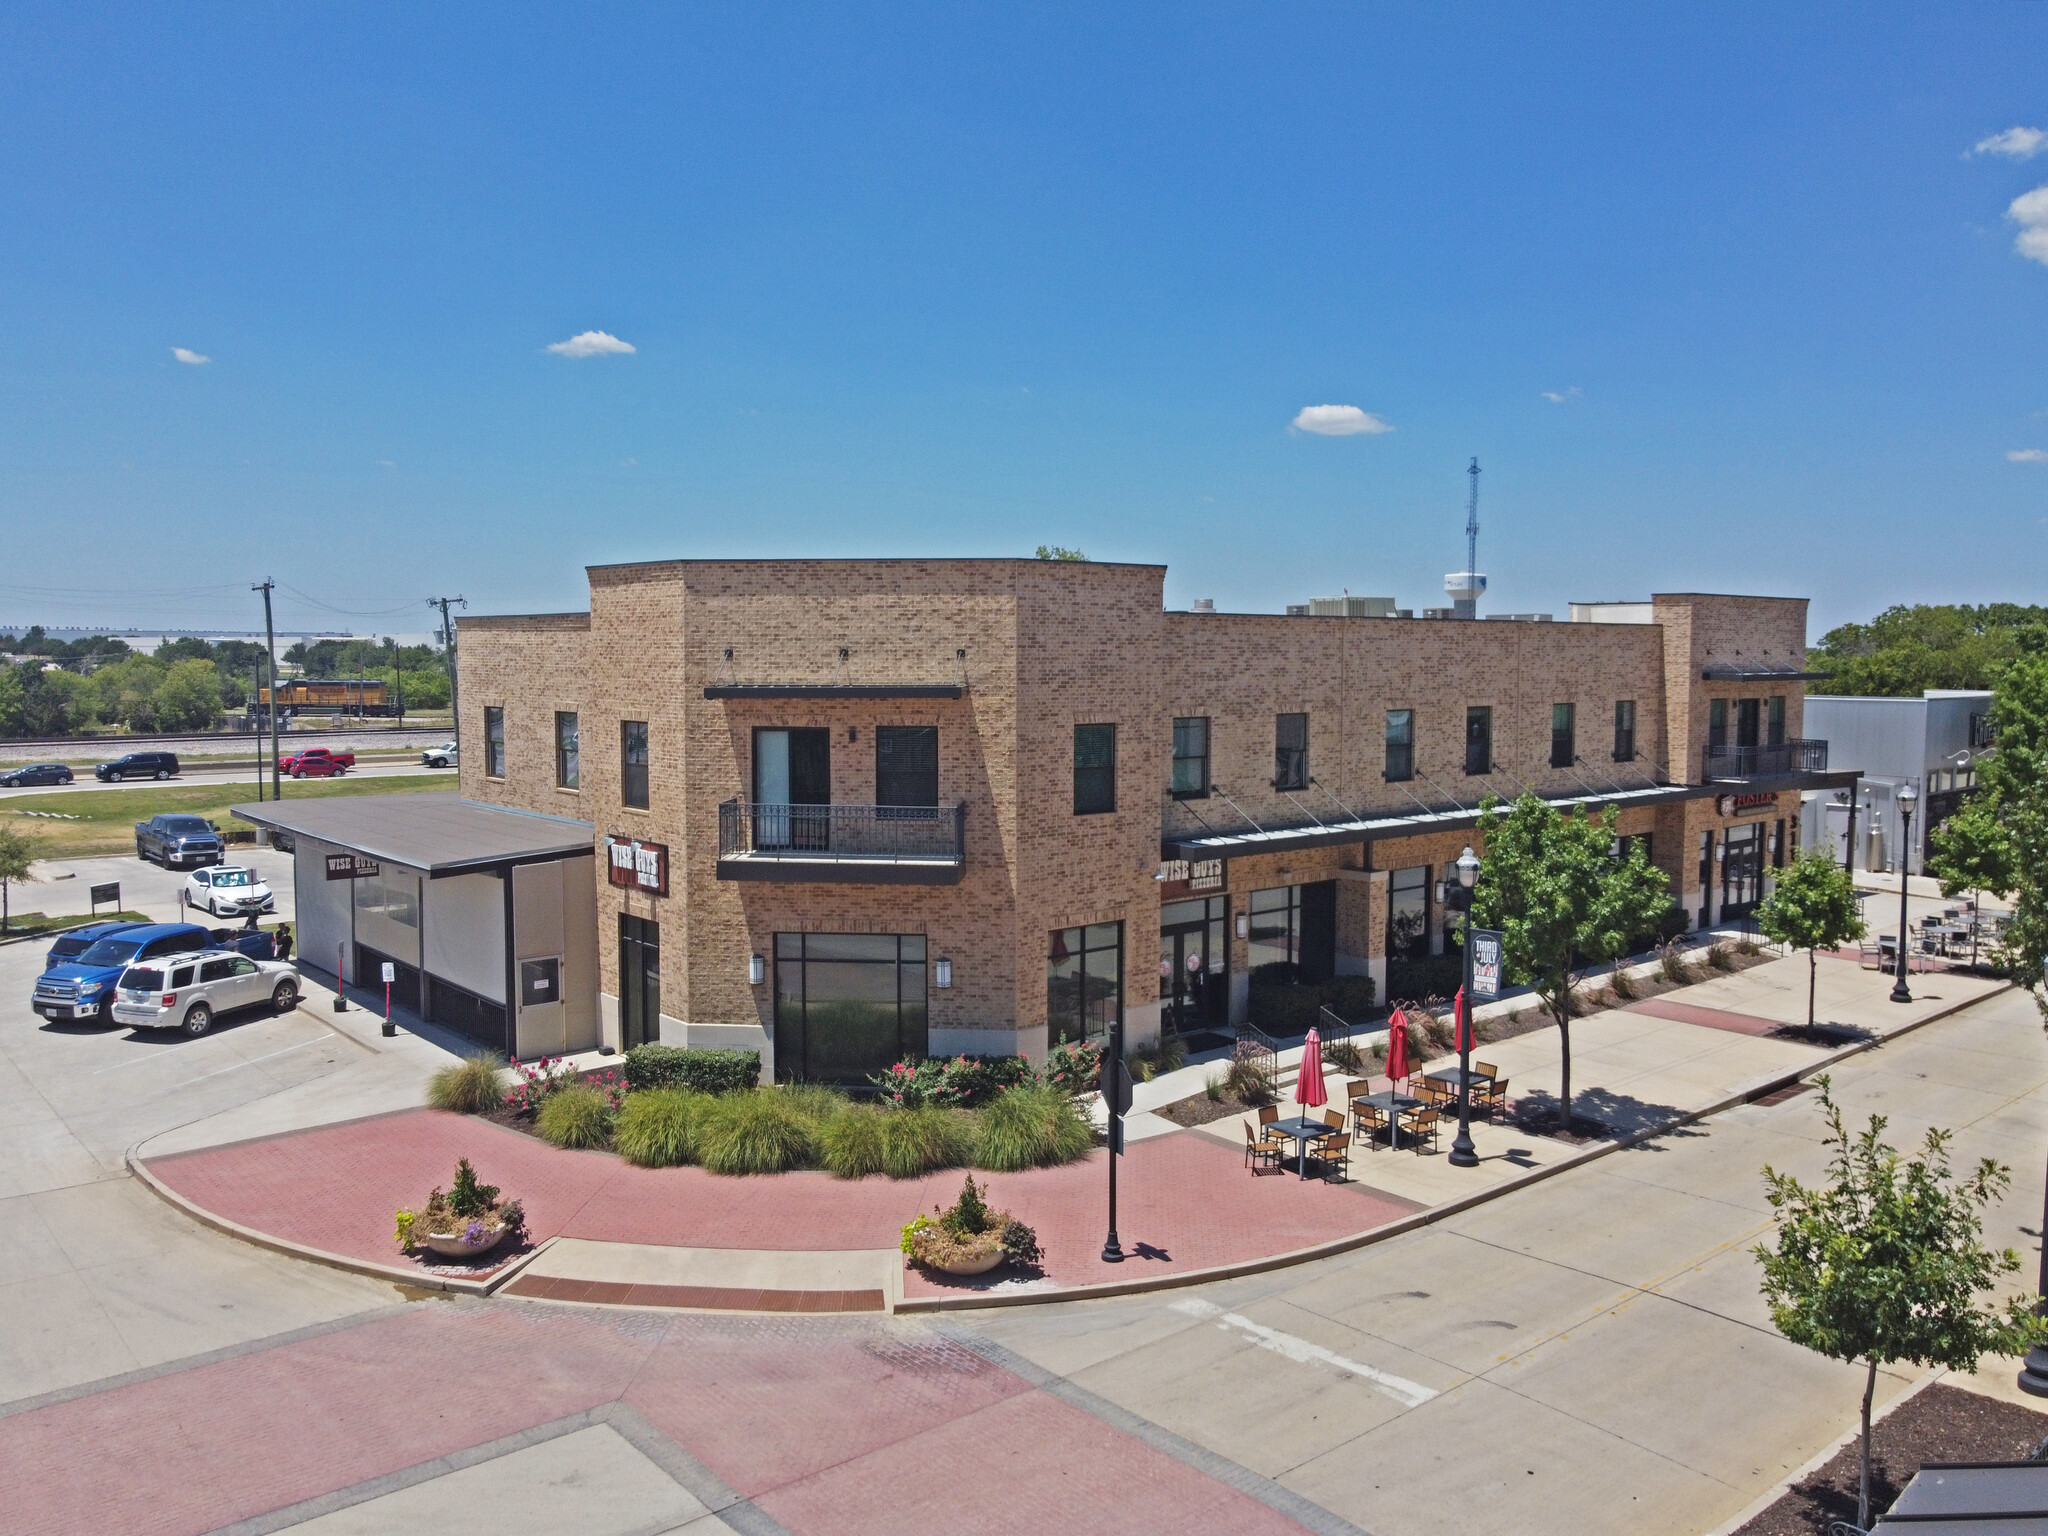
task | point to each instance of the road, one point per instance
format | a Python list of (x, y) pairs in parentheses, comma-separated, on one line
[(367, 738), (216, 773), (1589, 1354)]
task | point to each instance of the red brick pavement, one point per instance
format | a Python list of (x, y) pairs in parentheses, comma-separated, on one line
[(1185, 1200), (1708, 1018), (831, 1426)]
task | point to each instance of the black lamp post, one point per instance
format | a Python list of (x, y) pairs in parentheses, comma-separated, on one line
[(1463, 1154), (1908, 797)]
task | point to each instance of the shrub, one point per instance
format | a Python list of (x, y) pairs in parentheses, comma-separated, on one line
[(657, 1128), (1426, 975), (1148, 1061), (1249, 1084), (969, 1230), (916, 1141), (1721, 955), (669, 1066), (817, 1104), (1031, 1127), (1282, 1004), (757, 1132), (1212, 1088), (537, 1081), (1074, 1066), (576, 1116), (959, 1082), (1346, 1057), (851, 1144), (469, 1087), (1620, 984), (1672, 965)]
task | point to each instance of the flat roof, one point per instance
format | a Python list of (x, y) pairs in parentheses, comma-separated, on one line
[(433, 830)]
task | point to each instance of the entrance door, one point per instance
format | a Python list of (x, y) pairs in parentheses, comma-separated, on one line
[(792, 774), (1742, 870), (1194, 981), (639, 981)]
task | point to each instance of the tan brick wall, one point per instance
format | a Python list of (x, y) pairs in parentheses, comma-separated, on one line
[(1700, 629)]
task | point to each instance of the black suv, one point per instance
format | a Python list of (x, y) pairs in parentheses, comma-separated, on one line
[(138, 765)]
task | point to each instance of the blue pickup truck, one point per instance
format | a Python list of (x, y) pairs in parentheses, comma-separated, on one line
[(84, 988), (75, 942)]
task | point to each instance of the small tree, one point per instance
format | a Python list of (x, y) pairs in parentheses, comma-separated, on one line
[(1543, 882), (1886, 1262), (1813, 908), (1059, 552), (1632, 900), (17, 854)]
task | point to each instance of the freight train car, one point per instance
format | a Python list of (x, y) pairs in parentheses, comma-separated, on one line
[(331, 696)]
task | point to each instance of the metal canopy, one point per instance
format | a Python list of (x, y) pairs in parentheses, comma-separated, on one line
[(1736, 672), (436, 831), (1976, 1496), (834, 691)]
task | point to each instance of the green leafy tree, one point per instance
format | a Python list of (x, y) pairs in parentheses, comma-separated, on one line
[(1059, 552), (1812, 908), (189, 696), (1905, 650), (1551, 885), (1631, 902), (17, 854), (1886, 1262), (13, 702), (1998, 840)]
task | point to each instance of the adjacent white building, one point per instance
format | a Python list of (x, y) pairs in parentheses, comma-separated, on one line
[(1930, 742)]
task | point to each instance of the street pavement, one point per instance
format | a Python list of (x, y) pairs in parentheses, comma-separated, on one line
[(215, 773), (1589, 1353)]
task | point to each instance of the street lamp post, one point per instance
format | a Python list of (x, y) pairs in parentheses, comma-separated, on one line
[(1908, 797), (1463, 1153)]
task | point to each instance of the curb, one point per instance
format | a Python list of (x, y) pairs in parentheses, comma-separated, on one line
[(1437, 1213)]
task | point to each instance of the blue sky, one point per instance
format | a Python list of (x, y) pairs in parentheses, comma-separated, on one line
[(963, 280)]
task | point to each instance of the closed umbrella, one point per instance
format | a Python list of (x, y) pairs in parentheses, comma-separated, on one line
[(1397, 1047), (1308, 1087)]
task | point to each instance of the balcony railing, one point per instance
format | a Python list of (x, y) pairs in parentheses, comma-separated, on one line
[(1726, 762), (860, 844)]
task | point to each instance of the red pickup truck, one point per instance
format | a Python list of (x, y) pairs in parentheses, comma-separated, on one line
[(317, 763)]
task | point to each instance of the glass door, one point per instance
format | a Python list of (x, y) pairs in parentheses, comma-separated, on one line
[(1742, 870), (1194, 984), (639, 981), (793, 788)]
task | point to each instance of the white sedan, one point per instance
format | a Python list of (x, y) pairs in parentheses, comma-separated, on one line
[(228, 890)]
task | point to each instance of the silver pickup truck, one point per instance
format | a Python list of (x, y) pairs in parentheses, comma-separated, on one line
[(178, 841)]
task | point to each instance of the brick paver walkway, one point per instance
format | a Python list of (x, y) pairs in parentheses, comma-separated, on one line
[(1185, 1201), (826, 1425)]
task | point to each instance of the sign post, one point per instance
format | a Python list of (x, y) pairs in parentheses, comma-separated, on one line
[(1116, 1098), (340, 975), (390, 975), (111, 891)]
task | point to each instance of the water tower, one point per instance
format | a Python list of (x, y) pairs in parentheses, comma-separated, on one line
[(1464, 587)]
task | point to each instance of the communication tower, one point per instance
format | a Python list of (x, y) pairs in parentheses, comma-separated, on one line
[(1464, 587)]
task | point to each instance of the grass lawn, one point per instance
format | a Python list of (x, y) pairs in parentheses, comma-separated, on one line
[(34, 922), (104, 821)]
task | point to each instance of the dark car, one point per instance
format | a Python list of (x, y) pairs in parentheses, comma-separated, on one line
[(178, 840), (71, 945), (35, 773), (138, 765)]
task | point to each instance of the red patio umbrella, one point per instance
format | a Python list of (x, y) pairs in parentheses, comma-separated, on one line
[(1308, 1087), (1397, 1047), (1466, 1041)]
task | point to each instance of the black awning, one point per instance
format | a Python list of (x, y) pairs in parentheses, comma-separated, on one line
[(1735, 672), (834, 691)]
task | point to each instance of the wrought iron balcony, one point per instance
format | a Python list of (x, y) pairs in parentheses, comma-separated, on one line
[(845, 844), (1726, 763)]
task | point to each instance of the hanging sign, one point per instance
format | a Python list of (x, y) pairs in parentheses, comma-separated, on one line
[(638, 866), (352, 866), (1486, 944)]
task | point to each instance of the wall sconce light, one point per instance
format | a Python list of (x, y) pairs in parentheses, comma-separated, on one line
[(757, 970), (942, 974), (1244, 925)]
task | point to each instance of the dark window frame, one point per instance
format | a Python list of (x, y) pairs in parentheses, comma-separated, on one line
[(1774, 720), (899, 781), (1094, 780), (1290, 751), (1624, 730), (1717, 723), (568, 750), (494, 741), (1065, 1023), (1400, 763), (1564, 739), (1479, 736), (634, 765), (1194, 783)]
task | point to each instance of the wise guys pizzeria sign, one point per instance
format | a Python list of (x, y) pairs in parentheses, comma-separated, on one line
[(638, 866)]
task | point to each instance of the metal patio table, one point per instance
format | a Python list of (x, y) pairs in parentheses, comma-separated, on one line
[(1395, 1104), (1303, 1130)]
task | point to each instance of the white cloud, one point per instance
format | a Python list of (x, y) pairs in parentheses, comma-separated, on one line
[(1558, 397), (591, 344), (187, 355), (2030, 211), (2014, 144), (1339, 421), (2029, 455)]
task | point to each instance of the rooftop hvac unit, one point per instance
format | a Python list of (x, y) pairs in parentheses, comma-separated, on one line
[(1348, 607)]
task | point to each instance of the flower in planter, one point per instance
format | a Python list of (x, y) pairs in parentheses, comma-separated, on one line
[(968, 1233)]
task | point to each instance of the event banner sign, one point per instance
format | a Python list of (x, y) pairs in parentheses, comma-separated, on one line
[(1486, 944)]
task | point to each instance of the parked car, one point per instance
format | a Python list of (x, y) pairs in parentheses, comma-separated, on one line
[(188, 991), (317, 763), (77, 941), (228, 890), (256, 943), (138, 765), (173, 839), (84, 988), (443, 756), (35, 773)]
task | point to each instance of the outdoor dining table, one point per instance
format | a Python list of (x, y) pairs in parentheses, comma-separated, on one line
[(1455, 1078), (1395, 1104), (1303, 1130)]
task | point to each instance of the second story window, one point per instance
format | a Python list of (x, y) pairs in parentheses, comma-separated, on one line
[(1094, 769), (1290, 751), (1479, 739), (494, 742), (1748, 722), (907, 765), (1717, 724), (1774, 720), (1564, 735), (568, 765), (633, 763), (1191, 758), (1624, 730), (1400, 745)]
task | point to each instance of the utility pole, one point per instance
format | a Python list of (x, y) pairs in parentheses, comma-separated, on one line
[(256, 714), (448, 654), (270, 646)]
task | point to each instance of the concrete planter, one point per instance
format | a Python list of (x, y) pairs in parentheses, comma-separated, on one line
[(454, 1245)]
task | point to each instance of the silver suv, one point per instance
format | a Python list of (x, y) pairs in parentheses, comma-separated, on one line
[(187, 991)]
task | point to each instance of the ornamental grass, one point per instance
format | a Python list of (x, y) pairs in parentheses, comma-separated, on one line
[(658, 1127), (469, 1087), (576, 1118), (850, 1144), (765, 1131), (1030, 1127), (915, 1141)]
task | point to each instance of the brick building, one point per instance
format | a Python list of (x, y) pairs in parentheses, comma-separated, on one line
[(849, 810)]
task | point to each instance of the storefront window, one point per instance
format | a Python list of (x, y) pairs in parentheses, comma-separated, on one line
[(1084, 982), (848, 1004), (1275, 927), (1408, 913)]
